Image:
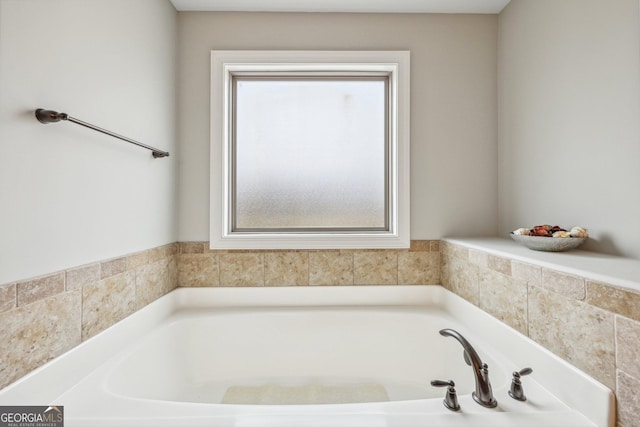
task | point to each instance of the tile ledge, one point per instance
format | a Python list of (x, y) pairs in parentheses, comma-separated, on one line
[(612, 270)]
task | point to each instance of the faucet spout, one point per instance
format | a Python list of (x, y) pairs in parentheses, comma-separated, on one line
[(483, 394)]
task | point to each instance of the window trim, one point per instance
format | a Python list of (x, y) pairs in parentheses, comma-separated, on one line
[(223, 66)]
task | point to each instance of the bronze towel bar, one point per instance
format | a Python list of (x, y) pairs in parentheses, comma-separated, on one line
[(50, 116)]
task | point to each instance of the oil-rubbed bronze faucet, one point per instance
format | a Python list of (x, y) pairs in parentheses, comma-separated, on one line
[(516, 390), (483, 394), (450, 399)]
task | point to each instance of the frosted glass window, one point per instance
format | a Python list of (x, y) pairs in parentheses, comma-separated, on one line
[(310, 149), (310, 153)]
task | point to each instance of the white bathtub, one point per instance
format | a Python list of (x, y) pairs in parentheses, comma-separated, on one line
[(307, 356)]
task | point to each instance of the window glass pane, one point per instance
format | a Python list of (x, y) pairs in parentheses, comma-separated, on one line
[(310, 153)]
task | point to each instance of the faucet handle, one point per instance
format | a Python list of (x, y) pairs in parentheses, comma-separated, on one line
[(450, 399), (516, 390), (523, 372)]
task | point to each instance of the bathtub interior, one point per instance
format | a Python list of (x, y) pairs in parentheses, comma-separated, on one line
[(173, 362), (283, 356)]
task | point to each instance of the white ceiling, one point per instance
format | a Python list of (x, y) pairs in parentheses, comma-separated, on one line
[(374, 6)]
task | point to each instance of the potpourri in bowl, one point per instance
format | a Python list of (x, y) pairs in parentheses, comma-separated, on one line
[(550, 238)]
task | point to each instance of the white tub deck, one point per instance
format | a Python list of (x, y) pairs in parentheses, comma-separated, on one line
[(308, 356)]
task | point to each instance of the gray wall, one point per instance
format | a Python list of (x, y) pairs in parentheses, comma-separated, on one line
[(568, 95), (69, 195), (569, 109), (453, 105)]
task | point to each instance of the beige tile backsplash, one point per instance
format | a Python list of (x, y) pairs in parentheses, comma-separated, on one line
[(591, 324), (35, 333), (504, 298), (375, 268), (331, 268), (33, 290), (623, 302), (8, 298), (287, 268), (43, 317), (200, 266), (418, 267), (198, 270), (595, 326), (627, 345), (240, 269), (77, 277), (580, 333), (628, 400), (565, 284)]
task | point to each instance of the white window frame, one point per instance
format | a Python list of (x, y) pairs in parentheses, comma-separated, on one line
[(225, 63)]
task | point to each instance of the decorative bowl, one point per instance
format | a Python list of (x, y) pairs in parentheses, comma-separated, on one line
[(549, 244)]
